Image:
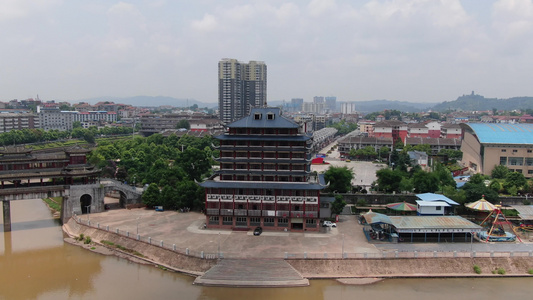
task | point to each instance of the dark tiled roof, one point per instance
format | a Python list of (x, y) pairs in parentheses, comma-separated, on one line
[(297, 138), (390, 123), (261, 185), (432, 141), (365, 140), (278, 121)]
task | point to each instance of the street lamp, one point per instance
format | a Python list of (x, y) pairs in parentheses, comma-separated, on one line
[(342, 246), (218, 251), (88, 210)]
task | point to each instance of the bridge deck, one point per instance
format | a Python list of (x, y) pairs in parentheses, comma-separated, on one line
[(252, 273)]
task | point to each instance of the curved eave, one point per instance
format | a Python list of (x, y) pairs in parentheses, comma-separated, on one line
[(265, 172), (266, 137), (261, 185)]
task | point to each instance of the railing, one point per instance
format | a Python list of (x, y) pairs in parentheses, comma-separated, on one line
[(308, 255)]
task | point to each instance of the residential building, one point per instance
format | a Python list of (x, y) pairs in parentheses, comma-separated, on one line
[(436, 144), (265, 177), (350, 142), (17, 121), (50, 118), (296, 104), (348, 108), (331, 104), (241, 86), (391, 129), (451, 131)]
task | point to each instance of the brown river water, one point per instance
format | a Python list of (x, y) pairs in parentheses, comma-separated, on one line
[(35, 263)]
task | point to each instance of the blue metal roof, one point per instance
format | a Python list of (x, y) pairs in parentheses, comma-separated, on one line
[(263, 121), (436, 197), (492, 133)]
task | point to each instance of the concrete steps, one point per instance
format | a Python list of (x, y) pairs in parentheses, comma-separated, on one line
[(252, 273)]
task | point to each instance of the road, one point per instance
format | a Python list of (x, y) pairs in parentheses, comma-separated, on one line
[(364, 171)]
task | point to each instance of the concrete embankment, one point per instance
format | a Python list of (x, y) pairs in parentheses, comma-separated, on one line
[(167, 258), (325, 268), (420, 267)]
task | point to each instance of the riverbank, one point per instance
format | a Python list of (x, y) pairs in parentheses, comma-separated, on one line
[(321, 268)]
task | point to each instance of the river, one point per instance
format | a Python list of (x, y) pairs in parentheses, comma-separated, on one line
[(35, 263)]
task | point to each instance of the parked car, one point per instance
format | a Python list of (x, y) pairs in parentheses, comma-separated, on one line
[(159, 208), (329, 224), (348, 160), (258, 231)]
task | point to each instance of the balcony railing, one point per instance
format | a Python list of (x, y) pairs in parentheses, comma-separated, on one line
[(240, 212), (226, 212), (212, 211), (297, 214), (254, 213), (282, 213)]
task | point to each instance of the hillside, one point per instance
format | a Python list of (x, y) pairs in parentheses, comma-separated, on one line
[(474, 102)]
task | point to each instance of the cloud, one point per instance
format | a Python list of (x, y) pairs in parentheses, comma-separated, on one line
[(17, 9), (207, 24), (513, 18)]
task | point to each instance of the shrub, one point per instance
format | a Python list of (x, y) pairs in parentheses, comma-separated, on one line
[(88, 240), (477, 269), (500, 271), (530, 271), (107, 243), (361, 202), (82, 236)]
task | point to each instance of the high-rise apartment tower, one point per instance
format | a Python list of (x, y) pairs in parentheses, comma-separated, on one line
[(241, 86)]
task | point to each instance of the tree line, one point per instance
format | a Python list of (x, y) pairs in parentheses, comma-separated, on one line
[(37, 135), (168, 166)]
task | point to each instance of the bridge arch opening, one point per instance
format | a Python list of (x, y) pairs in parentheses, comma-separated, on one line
[(115, 199), (85, 202)]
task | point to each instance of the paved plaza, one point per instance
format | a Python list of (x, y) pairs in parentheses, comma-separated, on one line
[(186, 230)]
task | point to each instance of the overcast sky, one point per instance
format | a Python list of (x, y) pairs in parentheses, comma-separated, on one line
[(408, 50)]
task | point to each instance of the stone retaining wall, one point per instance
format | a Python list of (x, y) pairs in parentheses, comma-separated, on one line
[(324, 268)]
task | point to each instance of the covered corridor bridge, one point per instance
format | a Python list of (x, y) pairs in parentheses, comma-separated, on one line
[(427, 228)]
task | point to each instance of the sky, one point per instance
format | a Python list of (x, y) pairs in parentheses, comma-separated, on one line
[(356, 50)]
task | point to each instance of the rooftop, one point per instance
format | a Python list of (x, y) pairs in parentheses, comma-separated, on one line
[(498, 133)]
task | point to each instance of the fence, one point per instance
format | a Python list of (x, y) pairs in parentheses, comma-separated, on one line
[(308, 255)]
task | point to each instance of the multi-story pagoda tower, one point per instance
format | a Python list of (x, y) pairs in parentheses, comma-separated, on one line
[(265, 177)]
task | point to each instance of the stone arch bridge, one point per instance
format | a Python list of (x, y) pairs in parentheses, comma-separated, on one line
[(77, 199)]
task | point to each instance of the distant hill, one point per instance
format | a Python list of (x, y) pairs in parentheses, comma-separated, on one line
[(150, 101), (475, 102), (381, 105)]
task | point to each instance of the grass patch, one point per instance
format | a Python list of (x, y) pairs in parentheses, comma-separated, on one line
[(162, 268), (122, 248), (477, 269), (54, 203), (92, 248), (530, 271), (500, 271), (108, 243)]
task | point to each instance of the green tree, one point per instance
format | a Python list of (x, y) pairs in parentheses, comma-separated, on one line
[(515, 179), (389, 180), (406, 185), (474, 191), (499, 172), (339, 178), (444, 176), (338, 204), (425, 182), (76, 124), (151, 197), (183, 124)]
